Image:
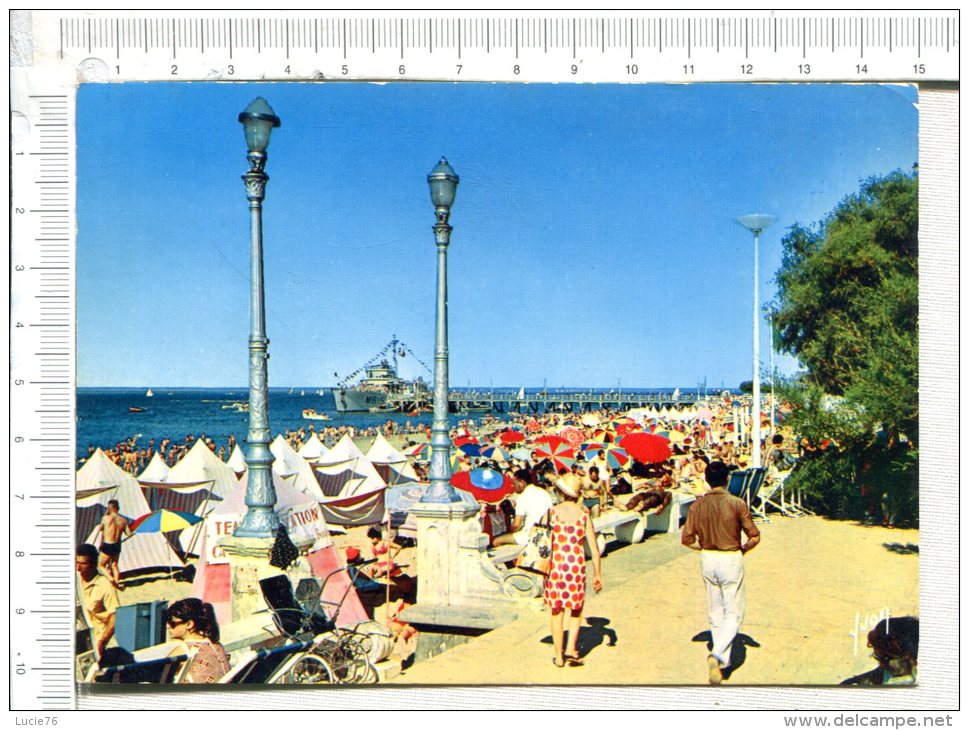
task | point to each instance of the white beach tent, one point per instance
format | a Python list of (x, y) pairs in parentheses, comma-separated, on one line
[(353, 490), (156, 471), (295, 468), (198, 467), (391, 464), (101, 480), (201, 464), (237, 460), (313, 450)]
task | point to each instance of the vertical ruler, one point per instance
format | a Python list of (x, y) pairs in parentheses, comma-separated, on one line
[(40, 501)]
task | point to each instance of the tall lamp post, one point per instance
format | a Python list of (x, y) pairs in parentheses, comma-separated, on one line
[(443, 182), (756, 223), (260, 519)]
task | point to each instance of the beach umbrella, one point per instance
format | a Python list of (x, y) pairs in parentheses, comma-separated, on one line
[(164, 520), (572, 435), (511, 437), (648, 448), (485, 485), (494, 452), (625, 428), (419, 451), (550, 439), (533, 426), (521, 454), (617, 458), (462, 440), (601, 434), (593, 446), (469, 449), (559, 453), (590, 420)]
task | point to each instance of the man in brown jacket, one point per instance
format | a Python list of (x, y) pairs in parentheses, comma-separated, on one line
[(714, 526)]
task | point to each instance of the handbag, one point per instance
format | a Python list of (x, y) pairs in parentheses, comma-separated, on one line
[(537, 554)]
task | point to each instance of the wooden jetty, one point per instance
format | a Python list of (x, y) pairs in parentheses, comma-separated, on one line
[(469, 401)]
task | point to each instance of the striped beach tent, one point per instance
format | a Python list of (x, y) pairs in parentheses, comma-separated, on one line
[(101, 480), (391, 464), (353, 490)]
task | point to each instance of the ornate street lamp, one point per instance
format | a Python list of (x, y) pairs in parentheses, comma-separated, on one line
[(443, 182), (756, 222), (260, 519)]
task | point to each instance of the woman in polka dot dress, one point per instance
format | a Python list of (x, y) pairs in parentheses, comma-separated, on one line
[(565, 585)]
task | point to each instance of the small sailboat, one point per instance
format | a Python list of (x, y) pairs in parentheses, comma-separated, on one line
[(521, 393), (149, 394)]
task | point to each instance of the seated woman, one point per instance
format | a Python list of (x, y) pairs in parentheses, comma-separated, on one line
[(193, 623), (385, 568)]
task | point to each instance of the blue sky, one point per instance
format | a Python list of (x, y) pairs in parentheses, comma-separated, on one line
[(594, 238)]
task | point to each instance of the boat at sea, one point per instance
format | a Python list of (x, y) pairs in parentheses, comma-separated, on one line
[(311, 414), (149, 394), (381, 388), (135, 409)]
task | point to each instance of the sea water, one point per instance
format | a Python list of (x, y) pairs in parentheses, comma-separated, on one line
[(103, 418)]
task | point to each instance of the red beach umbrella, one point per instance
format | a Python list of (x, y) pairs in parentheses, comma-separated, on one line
[(462, 440), (551, 439), (647, 448), (485, 485), (511, 437), (572, 435), (532, 426), (626, 428)]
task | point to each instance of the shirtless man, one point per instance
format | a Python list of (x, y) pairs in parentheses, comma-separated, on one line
[(595, 491), (112, 528)]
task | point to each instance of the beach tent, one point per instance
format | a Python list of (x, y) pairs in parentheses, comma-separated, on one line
[(391, 464), (101, 480), (156, 471), (237, 461), (201, 464), (198, 482), (291, 465), (353, 490), (313, 450), (304, 522)]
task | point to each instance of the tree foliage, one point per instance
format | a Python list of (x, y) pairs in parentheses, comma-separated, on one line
[(847, 308)]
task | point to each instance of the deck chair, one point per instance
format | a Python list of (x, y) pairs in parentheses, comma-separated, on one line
[(755, 497), (297, 615), (164, 670), (738, 483), (265, 666)]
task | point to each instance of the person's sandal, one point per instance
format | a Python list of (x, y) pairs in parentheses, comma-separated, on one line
[(558, 662), (574, 660)]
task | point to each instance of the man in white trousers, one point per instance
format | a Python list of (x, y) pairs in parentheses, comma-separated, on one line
[(714, 526)]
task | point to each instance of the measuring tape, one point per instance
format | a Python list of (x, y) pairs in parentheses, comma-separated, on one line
[(52, 52)]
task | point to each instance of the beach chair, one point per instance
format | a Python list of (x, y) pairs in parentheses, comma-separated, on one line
[(267, 666), (163, 670), (297, 615), (738, 483), (754, 497)]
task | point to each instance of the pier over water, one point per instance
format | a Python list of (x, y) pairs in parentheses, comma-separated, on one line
[(558, 401)]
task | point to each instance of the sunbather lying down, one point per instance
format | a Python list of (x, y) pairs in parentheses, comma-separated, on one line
[(652, 497)]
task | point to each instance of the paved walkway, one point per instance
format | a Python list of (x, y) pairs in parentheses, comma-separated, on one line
[(809, 583)]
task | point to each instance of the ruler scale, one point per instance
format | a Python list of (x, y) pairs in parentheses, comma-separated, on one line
[(129, 46), (42, 404)]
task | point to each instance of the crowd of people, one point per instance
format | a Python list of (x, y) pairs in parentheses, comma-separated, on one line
[(564, 500)]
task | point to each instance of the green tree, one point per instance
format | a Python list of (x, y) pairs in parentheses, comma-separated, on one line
[(847, 308)]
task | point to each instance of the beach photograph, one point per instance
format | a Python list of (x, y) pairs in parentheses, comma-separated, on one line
[(438, 384)]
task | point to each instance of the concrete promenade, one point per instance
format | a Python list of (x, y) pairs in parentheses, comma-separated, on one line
[(810, 584)]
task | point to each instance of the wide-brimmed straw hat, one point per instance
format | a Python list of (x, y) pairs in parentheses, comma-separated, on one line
[(569, 484)]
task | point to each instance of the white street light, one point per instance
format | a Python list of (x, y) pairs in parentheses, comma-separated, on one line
[(756, 222)]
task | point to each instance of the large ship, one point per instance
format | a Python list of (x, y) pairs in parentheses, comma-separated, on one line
[(380, 388)]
